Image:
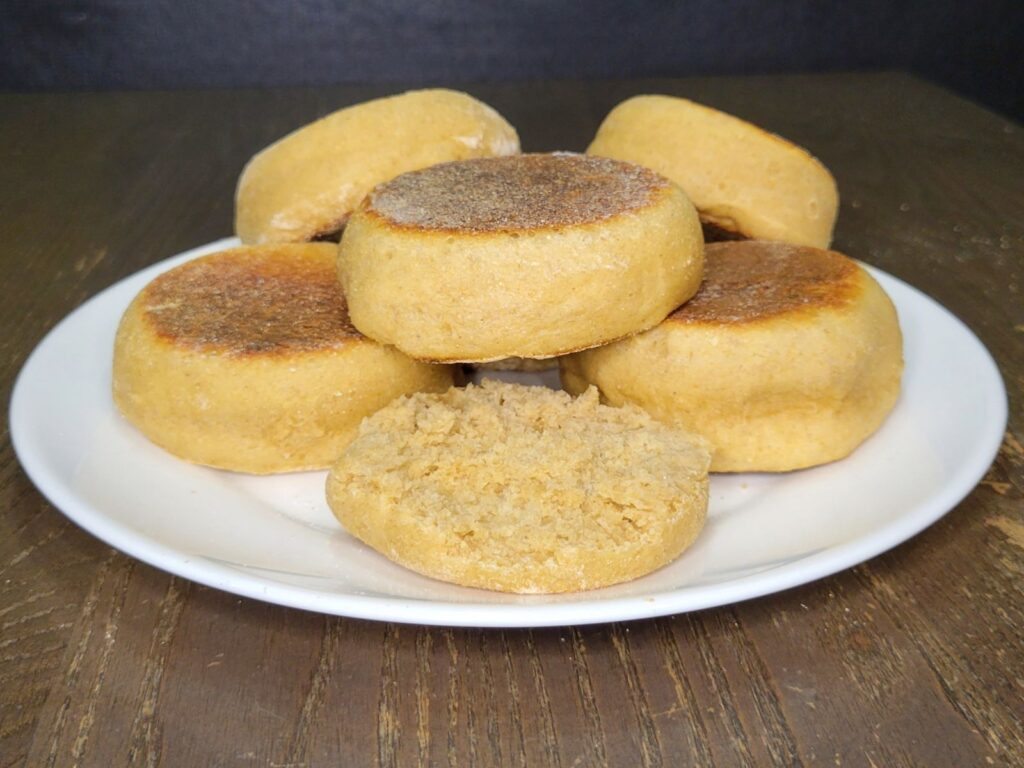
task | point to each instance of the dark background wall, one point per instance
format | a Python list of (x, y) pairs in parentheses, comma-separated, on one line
[(971, 47)]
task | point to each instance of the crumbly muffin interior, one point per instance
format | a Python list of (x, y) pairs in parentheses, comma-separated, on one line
[(509, 477)]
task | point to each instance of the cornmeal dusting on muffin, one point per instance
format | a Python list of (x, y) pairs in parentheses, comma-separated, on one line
[(523, 192), (246, 301), (752, 280)]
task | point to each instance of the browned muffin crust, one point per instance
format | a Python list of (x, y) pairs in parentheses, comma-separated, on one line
[(522, 192), (249, 301), (750, 280)]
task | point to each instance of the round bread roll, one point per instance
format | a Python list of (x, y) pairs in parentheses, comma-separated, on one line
[(786, 358), (246, 360), (745, 182), (521, 489), (527, 256), (304, 186)]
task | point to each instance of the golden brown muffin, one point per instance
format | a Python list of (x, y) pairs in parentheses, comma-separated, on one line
[(745, 182), (528, 256), (246, 360), (521, 489), (787, 357), (305, 186)]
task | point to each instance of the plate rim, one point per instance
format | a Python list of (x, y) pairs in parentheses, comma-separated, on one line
[(483, 614)]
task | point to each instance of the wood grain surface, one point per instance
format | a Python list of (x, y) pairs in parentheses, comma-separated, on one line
[(912, 659)]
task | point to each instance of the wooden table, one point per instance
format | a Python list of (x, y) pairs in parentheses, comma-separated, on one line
[(914, 658)]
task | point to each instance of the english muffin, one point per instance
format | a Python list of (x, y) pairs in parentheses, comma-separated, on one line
[(304, 186), (521, 489), (746, 183), (787, 357), (529, 256), (246, 360)]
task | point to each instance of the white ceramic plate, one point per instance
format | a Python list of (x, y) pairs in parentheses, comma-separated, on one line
[(273, 538)]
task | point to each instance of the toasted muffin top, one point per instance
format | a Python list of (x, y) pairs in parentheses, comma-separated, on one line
[(521, 192), (750, 280), (269, 299)]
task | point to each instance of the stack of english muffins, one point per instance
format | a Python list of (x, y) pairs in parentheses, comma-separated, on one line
[(677, 273)]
